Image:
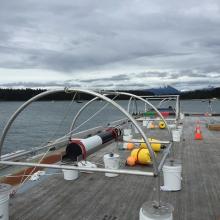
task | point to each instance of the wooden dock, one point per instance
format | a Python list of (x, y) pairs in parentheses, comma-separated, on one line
[(96, 197)]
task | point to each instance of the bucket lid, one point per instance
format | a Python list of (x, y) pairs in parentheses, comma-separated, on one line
[(151, 211), (173, 162), (5, 188), (111, 155)]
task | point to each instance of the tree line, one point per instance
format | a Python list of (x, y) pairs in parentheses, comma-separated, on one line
[(25, 94)]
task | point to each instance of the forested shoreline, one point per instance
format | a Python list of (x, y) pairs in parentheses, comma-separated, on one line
[(25, 94)]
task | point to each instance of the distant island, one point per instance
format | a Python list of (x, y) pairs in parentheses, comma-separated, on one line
[(25, 94)]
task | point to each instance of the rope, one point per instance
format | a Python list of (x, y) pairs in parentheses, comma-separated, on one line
[(23, 181), (91, 117), (44, 155)]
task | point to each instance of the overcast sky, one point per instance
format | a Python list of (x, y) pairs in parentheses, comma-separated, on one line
[(110, 44)]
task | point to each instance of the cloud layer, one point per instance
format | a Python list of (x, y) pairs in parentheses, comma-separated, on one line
[(110, 44)]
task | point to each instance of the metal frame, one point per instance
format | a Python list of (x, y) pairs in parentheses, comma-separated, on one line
[(156, 167), (169, 97), (69, 167)]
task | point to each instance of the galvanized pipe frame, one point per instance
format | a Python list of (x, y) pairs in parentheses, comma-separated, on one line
[(79, 112), (151, 105), (92, 100), (22, 107), (164, 157), (171, 97), (86, 169), (156, 172)]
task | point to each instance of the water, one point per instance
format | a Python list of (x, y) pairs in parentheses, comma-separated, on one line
[(44, 121)]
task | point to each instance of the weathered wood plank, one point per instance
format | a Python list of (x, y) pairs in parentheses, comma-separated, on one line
[(96, 197)]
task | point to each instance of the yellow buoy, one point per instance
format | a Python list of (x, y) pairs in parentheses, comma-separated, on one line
[(134, 153), (143, 156), (155, 146), (162, 125)]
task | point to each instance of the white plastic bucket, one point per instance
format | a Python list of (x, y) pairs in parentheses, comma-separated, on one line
[(176, 135), (125, 145), (111, 161), (172, 176), (149, 212), (70, 174), (4, 201), (127, 131), (127, 137), (182, 116), (149, 124), (180, 128)]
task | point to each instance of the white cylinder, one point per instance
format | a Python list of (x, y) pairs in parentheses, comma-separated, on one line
[(4, 201), (127, 137), (70, 174), (149, 212), (144, 123), (111, 161), (91, 142), (176, 135), (172, 176), (127, 131)]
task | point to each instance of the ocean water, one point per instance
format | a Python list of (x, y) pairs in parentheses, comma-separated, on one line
[(43, 121)]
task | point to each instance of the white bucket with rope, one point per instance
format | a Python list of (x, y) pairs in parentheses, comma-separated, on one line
[(176, 135), (111, 161), (172, 176), (4, 201), (148, 211)]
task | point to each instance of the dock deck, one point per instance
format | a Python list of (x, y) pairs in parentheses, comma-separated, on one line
[(96, 197)]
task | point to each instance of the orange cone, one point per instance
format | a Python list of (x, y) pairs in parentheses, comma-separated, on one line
[(198, 133)]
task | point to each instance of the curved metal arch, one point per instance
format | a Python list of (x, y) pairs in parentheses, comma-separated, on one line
[(151, 105), (22, 107), (79, 112)]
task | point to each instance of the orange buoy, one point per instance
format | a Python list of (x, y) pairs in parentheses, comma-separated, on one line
[(131, 161), (130, 146)]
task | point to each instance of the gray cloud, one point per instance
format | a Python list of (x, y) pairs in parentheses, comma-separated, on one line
[(139, 40), (39, 85), (120, 77)]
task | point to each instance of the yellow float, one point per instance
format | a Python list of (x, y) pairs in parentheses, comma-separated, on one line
[(162, 125), (141, 156), (134, 153), (155, 146)]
